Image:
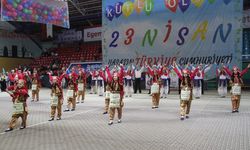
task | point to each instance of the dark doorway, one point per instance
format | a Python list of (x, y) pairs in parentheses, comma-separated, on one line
[(24, 50), (5, 52), (14, 51)]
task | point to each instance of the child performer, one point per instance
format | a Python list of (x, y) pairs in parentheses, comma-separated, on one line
[(236, 83), (222, 82), (19, 94), (199, 80), (56, 97), (116, 95), (71, 93), (186, 90), (94, 76), (107, 99), (129, 73), (81, 84), (155, 88), (165, 82), (100, 82), (36, 84)]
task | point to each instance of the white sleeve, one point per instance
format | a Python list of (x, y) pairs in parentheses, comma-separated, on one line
[(142, 69), (207, 69)]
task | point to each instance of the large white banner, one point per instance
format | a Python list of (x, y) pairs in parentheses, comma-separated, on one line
[(163, 31), (246, 19), (93, 34)]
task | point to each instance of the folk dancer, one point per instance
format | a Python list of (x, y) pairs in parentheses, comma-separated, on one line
[(222, 82), (116, 95), (56, 97), (165, 89), (198, 80), (156, 86), (129, 73), (236, 83), (81, 84), (19, 94), (148, 82), (36, 85), (186, 78), (71, 92), (94, 77), (100, 82), (107, 99)]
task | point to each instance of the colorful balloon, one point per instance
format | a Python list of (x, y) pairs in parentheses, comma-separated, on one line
[(14, 14), (20, 7), (14, 5), (148, 6), (30, 12), (139, 5), (8, 6), (211, 1), (19, 19), (198, 3), (184, 4), (110, 12), (171, 5), (227, 1), (18, 1), (118, 9), (26, 5), (33, 10), (25, 11), (127, 8)]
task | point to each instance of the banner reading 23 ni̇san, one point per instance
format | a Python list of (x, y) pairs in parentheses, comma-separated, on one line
[(160, 31)]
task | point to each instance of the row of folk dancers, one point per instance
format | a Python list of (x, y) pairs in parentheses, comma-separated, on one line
[(191, 83), (19, 93), (116, 82), (99, 78)]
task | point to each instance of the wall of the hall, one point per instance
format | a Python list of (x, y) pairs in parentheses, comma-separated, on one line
[(48, 45), (9, 38), (11, 63)]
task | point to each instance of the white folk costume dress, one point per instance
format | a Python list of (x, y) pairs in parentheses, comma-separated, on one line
[(94, 78), (222, 82), (128, 83), (165, 83), (100, 83), (198, 81), (148, 82)]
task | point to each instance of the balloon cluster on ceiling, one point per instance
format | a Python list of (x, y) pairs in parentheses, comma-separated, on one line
[(36, 11)]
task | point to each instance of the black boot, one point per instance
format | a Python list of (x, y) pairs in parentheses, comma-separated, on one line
[(8, 130), (51, 119), (22, 127)]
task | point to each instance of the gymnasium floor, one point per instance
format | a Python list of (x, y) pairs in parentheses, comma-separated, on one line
[(211, 125)]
